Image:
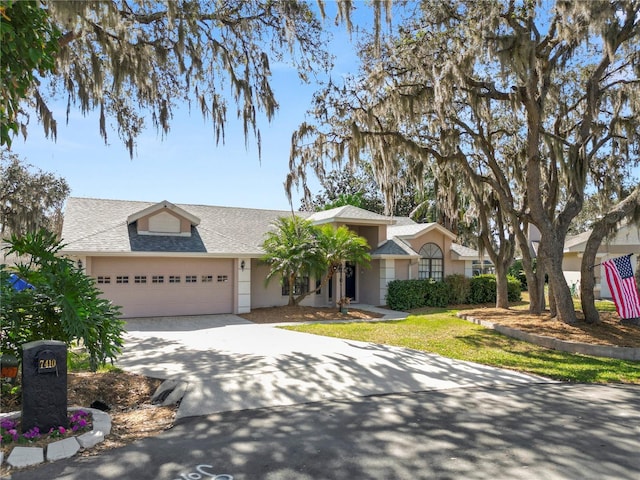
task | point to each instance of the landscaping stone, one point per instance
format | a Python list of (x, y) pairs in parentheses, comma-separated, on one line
[(25, 456), (101, 422), (90, 439), (169, 392), (63, 449)]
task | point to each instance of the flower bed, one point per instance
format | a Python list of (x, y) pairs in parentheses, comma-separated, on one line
[(79, 422)]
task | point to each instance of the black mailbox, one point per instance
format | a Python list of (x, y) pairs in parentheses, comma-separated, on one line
[(44, 385)]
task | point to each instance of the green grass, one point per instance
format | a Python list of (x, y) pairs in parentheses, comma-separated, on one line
[(443, 333), (78, 361)]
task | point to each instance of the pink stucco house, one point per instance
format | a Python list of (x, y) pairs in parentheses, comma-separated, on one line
[(158, 259)]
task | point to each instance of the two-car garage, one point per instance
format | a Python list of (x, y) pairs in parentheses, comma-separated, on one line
[(160, 286)]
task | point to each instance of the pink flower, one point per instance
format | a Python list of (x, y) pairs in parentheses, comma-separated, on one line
[(33, 433), (62, 430)]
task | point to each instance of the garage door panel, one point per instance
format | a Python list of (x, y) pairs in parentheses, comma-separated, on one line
[(209, 291)]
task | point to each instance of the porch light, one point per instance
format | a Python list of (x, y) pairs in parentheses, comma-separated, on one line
[(242, 265)]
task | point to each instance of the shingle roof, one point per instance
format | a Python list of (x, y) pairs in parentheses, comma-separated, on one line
[(97, 225), (463, 251), (576, 240), (394, 247), (406, 229), (100, 226), (404, 221), (351, 214)]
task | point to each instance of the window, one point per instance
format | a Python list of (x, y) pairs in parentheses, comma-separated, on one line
[(140, 279), (122, 279), (174, 278), (431, 262), (190, 278), (223, 278), (103, 279), (206, 278), (479, 269), (157, 279), (301, 286)]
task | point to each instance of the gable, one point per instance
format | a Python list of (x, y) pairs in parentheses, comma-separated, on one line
[(163, 218), (164, 222)]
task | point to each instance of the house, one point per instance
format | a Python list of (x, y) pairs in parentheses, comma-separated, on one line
[(163, 259), (625, 240)]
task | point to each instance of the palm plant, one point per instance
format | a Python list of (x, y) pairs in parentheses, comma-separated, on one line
[(292, 250), (296, 248)]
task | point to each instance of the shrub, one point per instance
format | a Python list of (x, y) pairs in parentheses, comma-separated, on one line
[(482, 289), (516, 270), (410, 294), (458, 287), (514, 286), (436, 294), (65, 304), (455, 289), (406, 294)]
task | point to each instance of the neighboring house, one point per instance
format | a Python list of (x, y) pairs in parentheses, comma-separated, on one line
[(158, 259), (626, 240)]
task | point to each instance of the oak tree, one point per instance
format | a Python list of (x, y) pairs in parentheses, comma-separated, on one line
[(30, 199), (526, 101), (135, 61)]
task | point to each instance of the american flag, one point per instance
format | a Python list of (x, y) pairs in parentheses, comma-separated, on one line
[(622, 285)]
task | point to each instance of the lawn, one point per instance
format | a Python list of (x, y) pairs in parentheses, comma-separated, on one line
[(443, 333)]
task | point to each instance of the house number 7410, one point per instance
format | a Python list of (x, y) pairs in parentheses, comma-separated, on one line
[(48, 363)]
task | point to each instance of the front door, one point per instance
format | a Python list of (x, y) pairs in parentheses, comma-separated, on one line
[(350, 280)]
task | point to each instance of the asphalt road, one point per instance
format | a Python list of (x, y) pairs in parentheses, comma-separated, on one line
[(527, 431)]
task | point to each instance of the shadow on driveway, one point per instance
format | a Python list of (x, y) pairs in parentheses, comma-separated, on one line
[(236, 366)]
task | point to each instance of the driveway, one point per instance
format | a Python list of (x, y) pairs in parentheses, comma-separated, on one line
[(233, 364)]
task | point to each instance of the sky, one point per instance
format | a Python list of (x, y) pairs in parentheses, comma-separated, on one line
[(185, 167)]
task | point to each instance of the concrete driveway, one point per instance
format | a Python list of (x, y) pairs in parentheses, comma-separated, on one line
[(233, 364)]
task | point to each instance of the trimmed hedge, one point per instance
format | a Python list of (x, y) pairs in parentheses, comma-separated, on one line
[(455, 289), (410, 294), (459, 288)]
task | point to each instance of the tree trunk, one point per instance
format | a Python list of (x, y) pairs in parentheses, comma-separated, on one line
[(292, 282), (625, 209), (587, 296), (502, 286), (553, 308), (534, 286), (587, 275), (562, 300)]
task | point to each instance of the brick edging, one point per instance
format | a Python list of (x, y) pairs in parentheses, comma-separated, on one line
[(609, 351)]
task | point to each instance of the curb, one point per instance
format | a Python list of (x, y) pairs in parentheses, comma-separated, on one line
[(607, 351), (21, 457)]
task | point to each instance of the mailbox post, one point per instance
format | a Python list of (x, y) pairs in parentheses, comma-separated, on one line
[(44, 385)]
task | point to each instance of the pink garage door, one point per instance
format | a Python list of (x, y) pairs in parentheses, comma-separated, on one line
[(147, 287)]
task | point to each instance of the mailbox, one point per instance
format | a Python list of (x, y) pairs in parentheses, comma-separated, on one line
[(44, 385)]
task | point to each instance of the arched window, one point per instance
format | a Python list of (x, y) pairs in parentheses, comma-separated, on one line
[(431, 262)]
